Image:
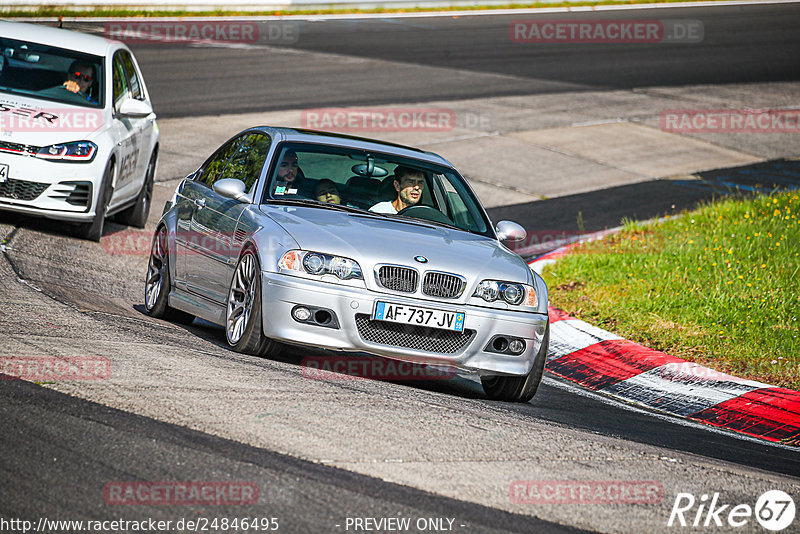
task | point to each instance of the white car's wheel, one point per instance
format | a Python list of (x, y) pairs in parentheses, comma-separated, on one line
[(137, 214), (93, 231)]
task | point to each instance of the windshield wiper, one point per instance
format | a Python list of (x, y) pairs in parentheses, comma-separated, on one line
[(426, 221), (315, 204)]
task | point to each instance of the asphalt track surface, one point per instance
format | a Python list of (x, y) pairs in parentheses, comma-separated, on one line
[(41, 425), (381, 61), (58, 451)]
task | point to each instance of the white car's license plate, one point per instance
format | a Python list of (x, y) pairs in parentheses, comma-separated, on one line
[(3, 172), (417, 315)]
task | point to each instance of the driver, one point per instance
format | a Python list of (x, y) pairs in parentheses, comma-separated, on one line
[(409, 184), (80, 77)]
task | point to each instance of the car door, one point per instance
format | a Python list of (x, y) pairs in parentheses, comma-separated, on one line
[(144, 127), (127, 133), (213, 241), (193, 194)]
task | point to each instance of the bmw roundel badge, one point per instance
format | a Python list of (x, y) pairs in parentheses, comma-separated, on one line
[(421, 259)]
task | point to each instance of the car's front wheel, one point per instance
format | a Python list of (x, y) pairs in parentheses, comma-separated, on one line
[(519, 388), (93, 231), (137, 214), (243, 320), (157, 284)]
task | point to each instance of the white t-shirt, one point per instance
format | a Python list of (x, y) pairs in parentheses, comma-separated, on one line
[(383, 207)]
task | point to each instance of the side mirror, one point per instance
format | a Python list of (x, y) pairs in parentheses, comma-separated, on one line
[(135, 108), (231, 188), (510, 231)]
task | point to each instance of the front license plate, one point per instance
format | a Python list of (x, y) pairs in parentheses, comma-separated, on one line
[(3, 172), (416, 315)]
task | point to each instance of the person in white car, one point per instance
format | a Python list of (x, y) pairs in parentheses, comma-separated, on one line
[(80, 77)]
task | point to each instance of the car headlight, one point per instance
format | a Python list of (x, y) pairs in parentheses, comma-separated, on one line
[(77, 151), (319, 264), (509, 292)]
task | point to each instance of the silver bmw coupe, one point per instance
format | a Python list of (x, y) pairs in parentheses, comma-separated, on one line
[(315, 239)]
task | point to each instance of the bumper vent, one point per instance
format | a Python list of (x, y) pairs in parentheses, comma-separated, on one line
[(398, 278), (413, 337), (21, 189), (443, 285), (82, 195)]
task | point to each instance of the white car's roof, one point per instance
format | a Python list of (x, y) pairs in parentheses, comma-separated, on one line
[(89, 44)]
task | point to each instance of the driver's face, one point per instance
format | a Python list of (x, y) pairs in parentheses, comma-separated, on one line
[(409, 188), (287, 172), (83, 78)]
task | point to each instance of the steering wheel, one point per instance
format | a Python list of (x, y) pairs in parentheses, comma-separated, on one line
[(425, 212)]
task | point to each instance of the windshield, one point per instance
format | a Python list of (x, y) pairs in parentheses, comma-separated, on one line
[(50, 73), (383, 184)]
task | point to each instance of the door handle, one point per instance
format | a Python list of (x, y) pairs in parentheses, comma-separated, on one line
[(200, 203)]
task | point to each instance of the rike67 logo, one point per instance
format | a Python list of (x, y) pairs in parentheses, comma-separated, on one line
[(774, 510)]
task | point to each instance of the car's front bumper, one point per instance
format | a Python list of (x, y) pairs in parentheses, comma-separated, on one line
[(282, 293), (42, 188)]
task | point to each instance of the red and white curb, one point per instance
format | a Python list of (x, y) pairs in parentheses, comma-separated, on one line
[(604, 362)]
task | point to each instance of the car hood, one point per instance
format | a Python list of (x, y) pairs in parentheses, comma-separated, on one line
[(372, 240), (31, 121)]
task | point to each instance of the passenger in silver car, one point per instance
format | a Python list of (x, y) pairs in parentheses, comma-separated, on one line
[(326, 191)]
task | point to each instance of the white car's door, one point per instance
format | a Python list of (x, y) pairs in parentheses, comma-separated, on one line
[(146, 124), (132, 134)]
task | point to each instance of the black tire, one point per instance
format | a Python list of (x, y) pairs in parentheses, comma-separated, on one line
[(93, 231), (137, 214), (247, 336), (519, 388), (157, 282)]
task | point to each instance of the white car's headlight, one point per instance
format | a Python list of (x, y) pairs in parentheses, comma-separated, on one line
[(511, 293), (77, 152), (319, 264)]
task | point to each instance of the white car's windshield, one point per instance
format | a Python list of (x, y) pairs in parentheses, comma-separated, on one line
[(50, 73), (377, 182)]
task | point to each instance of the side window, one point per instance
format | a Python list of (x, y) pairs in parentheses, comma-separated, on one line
[(119, 82), (246, 163), (459, 212), (130, 75), (212, 171)]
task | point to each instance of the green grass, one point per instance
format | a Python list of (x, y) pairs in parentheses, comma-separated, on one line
[(78, 11), (718, 285)]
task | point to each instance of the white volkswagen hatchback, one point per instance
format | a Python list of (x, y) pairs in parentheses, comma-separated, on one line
[(78, 136)]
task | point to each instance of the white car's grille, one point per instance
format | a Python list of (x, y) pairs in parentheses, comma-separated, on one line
[(398, 278), (16, 148), (413, 337), (443, 285), (21, 189)]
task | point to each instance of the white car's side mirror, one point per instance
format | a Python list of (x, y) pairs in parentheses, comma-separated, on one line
[(135, 108), (231, 188), (510, 231)]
